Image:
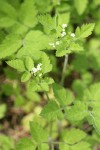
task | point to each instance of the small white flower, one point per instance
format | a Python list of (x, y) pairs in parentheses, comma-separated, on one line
[(34, 70), (40, 74), (52, 44), (64, 26), (57, 42), (72, 34), (39, 66), (63, 34)]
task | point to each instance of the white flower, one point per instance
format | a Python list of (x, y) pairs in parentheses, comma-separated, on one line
[(63, 34), (72, 34), (57, 42), (39, 67), (40, 74), (34, 70), (52, 44), (64, 26)]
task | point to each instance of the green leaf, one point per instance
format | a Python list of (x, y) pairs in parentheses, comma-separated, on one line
[(25, 144), (27, 14), (37, 40), (6, 22), (73, 136), (38, 133), (44, 86), (63, 96), (77, 112), (33, 86), (78, 146), (84, 31), (95, 118), (7, 9), (48, 22), (80, 6), (2, 110), (29, 63), (79, 87), (48, 80), (93, 93), (17, 64), (26, 76), (43, 147), (61, 50), (51, 111), (63, 18), (46, 66), (73, 140), (75, 47), (10, 45), (82, 146), (29, 51), (6, 143), (63, 146)]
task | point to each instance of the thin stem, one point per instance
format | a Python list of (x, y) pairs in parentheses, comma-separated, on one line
[(47, 95), (64, 69)]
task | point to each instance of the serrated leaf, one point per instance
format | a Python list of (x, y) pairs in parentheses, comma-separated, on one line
[(26, 76), (8, 9), (77, 112), (28, 13), (48, 80), (25, 144), (17, 64), (60, 94), (6, 22), (75, 47), (37, 40), (46, 66), (51, 111), (73, 136), (33, 86), (29, 51), (44, 86), (81, 146), (93, 93), (61, 50), (48, 22), (84, 31), (29, 63), (95, 118), (80, 6), (38, 133), (10, 45)]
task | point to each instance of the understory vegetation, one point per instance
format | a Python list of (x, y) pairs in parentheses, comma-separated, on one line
[(49, 74)]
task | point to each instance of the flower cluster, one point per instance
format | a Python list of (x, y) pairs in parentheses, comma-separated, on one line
[(63, 33), (63, 30), (37, 69), (72, 34), (54, 44)]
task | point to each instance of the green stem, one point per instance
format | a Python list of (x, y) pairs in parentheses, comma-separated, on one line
[(64, 69), (47, 95)]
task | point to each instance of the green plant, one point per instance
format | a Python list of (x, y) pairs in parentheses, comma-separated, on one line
[(33, 37)]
